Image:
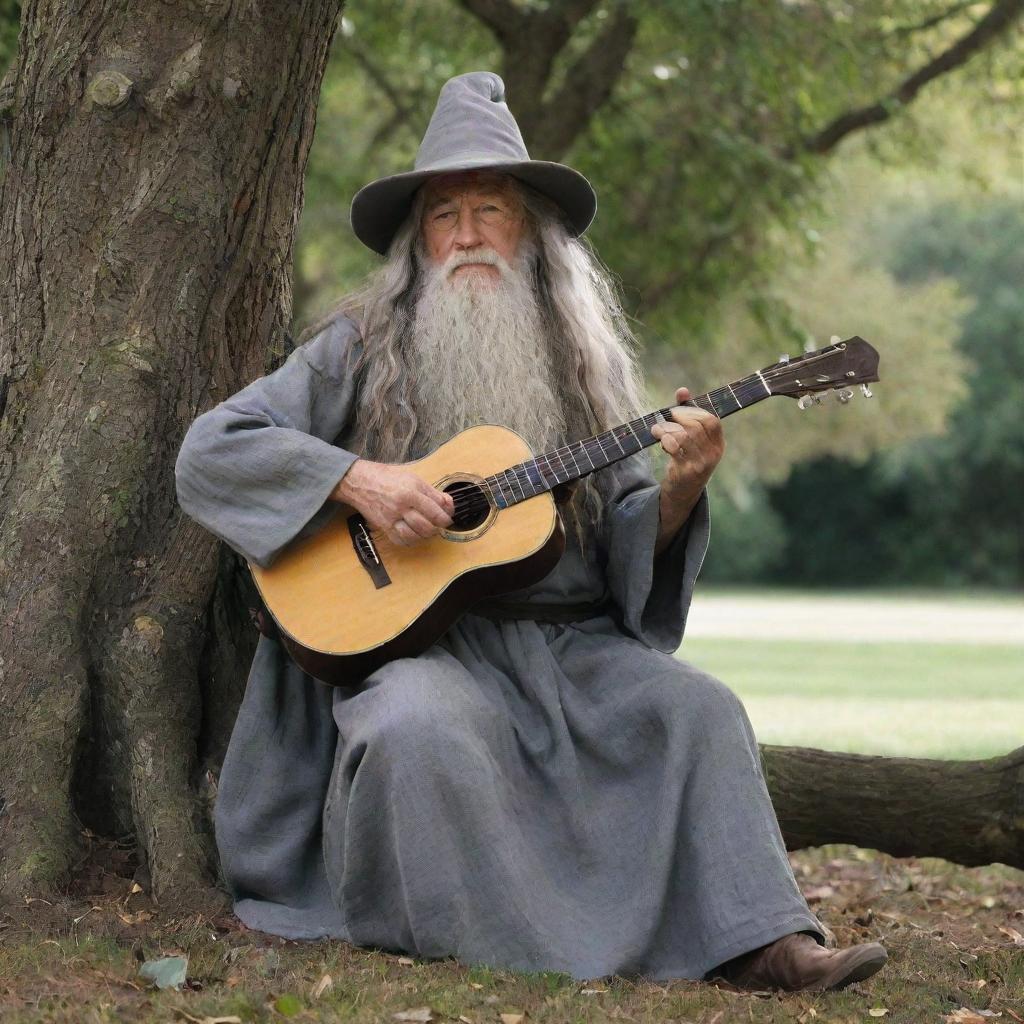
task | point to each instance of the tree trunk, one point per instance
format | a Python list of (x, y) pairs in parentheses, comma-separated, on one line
[(971, 812), (153, 182), (148, 205)]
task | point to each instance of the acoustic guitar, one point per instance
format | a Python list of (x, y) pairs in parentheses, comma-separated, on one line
[(347, 600)]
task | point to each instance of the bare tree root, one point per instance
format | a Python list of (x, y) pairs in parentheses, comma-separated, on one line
[(42, 722), (149, 662)]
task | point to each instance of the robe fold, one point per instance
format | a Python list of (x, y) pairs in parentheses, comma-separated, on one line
[(526, 794)]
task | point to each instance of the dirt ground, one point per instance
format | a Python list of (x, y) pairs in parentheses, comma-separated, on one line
[(955, 938)]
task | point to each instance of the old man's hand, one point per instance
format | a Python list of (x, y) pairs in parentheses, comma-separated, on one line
[(695, 443), (395, 501)]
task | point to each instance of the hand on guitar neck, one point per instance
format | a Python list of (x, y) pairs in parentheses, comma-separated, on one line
[(394, 501), (695, 443)]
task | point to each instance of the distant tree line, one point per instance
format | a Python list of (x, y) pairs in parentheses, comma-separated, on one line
[(943, 510)]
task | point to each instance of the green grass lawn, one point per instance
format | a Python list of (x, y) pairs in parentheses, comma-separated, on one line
[(914, 699)]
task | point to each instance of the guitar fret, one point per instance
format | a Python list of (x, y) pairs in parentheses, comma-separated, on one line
[(511, 470), (565, 469), (534, 475), (500, 498), (541, 469), (707, 403), (549, 469)]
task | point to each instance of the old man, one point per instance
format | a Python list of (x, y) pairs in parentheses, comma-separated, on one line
[(546, 787)]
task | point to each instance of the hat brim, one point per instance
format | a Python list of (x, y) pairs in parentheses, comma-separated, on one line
[(378, 209)]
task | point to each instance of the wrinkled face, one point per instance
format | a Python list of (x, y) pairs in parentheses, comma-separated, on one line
[(471, 212)]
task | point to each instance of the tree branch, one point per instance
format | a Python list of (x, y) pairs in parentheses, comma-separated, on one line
[(504, 18), (935, 19), (378, 76), (565, 16), (1000, 17), (587, 85)]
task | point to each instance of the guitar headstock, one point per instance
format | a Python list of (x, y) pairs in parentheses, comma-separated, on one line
[(836, 367)]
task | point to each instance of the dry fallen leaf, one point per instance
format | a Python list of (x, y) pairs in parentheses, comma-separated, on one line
[(406, 961), (814, 893), (138, 918), (1013, 935), (965, 1015), (513, 1018), (877, 1011), (209, 1020), (322, 986), (476, 985), (422, 1014), (465, 1020)]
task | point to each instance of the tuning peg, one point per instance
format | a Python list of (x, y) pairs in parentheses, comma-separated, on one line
[(868, 393), (805, 401), (844, 396)]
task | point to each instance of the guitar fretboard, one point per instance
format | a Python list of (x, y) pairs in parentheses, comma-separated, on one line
[(580, 458)]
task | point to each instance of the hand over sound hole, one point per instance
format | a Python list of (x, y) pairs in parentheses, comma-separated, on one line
[(471, 505)]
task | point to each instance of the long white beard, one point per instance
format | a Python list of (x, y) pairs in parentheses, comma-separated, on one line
[(480, 354)]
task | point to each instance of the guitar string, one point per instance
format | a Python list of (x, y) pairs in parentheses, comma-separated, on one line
[(470, 497)]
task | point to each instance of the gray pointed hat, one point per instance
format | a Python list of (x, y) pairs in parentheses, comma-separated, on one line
[(471, 129)]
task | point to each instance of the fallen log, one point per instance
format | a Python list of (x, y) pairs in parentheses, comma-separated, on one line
[(970, 812)]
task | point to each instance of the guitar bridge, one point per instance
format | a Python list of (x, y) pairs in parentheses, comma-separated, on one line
[(366, 551)]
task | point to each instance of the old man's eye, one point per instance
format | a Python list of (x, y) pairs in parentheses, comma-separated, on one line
[(444, 218), (493, 213)]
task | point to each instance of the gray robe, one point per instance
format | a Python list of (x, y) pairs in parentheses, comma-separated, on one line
[(525, 793)]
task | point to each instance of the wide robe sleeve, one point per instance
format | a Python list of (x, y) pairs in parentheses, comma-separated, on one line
[(653, 593), (257, 469)]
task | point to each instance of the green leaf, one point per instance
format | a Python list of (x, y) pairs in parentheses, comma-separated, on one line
[(288, 1005)]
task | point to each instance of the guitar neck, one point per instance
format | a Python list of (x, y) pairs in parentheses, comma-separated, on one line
[(581, 458)]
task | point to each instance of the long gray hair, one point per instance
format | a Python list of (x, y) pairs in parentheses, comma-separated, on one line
[(593, 348)]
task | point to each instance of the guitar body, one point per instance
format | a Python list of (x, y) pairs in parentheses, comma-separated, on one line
[(347, 601)]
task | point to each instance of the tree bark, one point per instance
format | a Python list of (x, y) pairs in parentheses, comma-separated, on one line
[(153, 182), (148, 203), (970, 812)]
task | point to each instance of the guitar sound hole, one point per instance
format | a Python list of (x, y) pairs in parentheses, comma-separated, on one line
[(471, 505)]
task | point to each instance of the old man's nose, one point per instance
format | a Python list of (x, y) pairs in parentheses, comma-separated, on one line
[(467, 230)]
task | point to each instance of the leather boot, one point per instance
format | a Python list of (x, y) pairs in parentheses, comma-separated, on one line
[(797, 962)]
